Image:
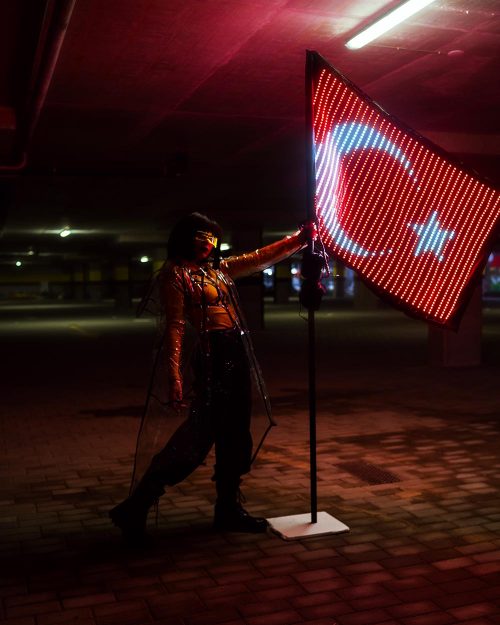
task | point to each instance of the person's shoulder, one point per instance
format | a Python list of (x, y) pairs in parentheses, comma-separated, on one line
[(172, 273), (171, 268)]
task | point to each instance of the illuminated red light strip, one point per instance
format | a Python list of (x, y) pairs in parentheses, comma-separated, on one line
[(380, 274), (372, 113), (420, 265), (340, 182), (354, 203), (461, 267), (355, 207), (441, 310), (476, 233), (417, 269), (424, 282), (393, 270), (487, 227), (370, 193), (375, 172), (320, 128), (416, 203), (460, 270), (393, 174), (452, 270), (378, 174), (341, 185)]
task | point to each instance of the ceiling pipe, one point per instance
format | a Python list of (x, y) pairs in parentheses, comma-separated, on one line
[(52, 33), (57, 32), (19, 166)]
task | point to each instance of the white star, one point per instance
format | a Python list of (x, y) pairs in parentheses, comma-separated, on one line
[(431, 237)]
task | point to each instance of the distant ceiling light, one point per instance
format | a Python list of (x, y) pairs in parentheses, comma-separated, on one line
[(224, 247), (18, 263), (388, 21), (144, 259), (31, 252), (65, 232)]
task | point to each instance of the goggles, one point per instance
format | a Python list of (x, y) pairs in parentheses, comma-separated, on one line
[(206, 236)]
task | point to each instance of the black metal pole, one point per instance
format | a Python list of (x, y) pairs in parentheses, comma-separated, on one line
[(310, 196), (312, 415)]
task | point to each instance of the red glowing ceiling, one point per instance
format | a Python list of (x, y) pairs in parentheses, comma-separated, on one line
[(135, 81)]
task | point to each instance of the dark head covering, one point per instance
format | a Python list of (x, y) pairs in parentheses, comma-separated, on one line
[(181, 240)]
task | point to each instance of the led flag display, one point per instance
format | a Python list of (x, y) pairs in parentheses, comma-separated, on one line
[(392, 206)]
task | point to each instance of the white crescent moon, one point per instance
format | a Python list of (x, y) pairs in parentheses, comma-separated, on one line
[(341, 140)]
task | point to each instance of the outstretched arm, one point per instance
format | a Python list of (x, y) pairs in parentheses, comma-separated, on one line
[(247, 264)]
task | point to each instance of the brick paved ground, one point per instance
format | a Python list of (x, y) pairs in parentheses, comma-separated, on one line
[(423, 550)]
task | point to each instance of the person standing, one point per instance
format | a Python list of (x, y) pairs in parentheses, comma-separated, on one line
[(194, 290)]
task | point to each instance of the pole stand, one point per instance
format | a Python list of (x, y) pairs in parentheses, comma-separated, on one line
[(313, 523), (297, 526)]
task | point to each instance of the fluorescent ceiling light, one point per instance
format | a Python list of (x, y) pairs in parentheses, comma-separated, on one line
[(381, 26), (65, 233), (144, 259), (224, 247)]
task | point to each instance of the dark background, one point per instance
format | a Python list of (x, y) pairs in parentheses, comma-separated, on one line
[(117, 116)]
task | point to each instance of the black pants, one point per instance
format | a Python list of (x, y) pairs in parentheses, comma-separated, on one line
[(219, 413)]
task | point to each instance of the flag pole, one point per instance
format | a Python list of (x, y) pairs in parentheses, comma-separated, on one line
[(299, 526), (312, 414), (311, 321)]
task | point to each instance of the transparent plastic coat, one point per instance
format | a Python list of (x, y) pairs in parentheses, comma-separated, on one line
[(182, 324)]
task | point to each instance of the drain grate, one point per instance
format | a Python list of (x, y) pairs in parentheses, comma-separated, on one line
[(369, 473)]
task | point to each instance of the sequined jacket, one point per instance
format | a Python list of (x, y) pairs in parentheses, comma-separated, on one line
[(200, 295)]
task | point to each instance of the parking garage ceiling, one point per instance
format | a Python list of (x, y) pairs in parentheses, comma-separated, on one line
[(127, 110)]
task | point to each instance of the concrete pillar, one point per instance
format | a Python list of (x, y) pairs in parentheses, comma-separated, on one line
[(247, 239), (159, 257), (364, 298), (94, 284), (282, 280), (448, 348), (339, 279), (121, 284), (78, 281)]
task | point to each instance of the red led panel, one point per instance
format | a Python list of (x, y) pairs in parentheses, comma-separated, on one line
[(415, 225)]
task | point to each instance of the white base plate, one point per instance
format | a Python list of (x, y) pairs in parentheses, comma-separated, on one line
[(300, 526)]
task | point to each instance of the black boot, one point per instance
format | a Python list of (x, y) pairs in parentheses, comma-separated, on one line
[(131, 514), (230, 516)]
